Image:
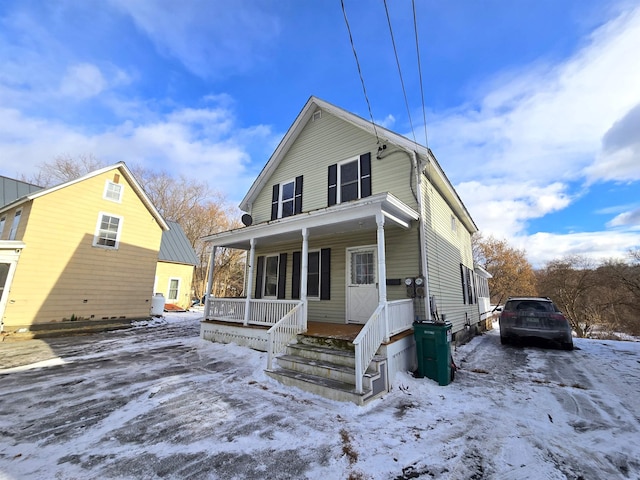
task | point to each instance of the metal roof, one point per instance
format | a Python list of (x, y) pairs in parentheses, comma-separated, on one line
[(11, 189), (175, 246)]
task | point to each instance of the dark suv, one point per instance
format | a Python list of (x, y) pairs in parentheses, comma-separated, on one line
[(534, 317)]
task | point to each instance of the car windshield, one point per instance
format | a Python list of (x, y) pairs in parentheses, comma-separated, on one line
[(529, 305)]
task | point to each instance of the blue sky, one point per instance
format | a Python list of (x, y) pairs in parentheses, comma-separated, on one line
[(532, 107)]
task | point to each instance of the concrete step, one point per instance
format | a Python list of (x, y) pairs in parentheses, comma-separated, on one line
[(324, 387), (325, 369)]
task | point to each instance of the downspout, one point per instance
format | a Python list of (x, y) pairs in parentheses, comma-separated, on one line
[(424, 264)]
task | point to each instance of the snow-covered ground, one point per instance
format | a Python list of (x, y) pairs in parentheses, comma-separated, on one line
[(157, 402)]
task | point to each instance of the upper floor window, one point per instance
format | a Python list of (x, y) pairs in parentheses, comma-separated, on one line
[(113, 191), (108, 231), (350, 180), (454, 224), (286, 198), (14, 225), (2, 222)]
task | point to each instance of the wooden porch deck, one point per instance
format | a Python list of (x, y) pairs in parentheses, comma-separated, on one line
[(343, 331)]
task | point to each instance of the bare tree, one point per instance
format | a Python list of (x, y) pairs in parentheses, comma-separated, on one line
[(572, 284), (512, 273), (64, 168)]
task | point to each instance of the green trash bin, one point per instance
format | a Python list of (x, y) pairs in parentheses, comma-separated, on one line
[(433, 346)]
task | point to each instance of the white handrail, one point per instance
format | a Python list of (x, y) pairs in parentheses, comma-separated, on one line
[(367, 343), (285, 330), (374, 333)]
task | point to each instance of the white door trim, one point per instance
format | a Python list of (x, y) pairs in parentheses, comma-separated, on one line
[(355, 295)]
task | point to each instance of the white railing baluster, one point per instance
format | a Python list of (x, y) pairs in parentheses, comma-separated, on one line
[(284, 331)]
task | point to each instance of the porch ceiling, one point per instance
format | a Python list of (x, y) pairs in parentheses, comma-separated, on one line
[(338, 219)]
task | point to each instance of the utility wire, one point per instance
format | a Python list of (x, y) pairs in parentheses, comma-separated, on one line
[(424, 115), (395, 51), (346, 21)]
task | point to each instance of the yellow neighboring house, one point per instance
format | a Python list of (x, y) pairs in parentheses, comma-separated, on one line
[(176, 262), (81, 253)]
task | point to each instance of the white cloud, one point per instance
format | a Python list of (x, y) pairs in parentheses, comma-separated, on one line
[(503, 209), (83, 81), (210, 37), (543, 247), (198, 143), (630, 218)]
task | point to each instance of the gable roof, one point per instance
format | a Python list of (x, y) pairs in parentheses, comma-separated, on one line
[(12, 189), (175, 246), (425, 155), (123, 170)]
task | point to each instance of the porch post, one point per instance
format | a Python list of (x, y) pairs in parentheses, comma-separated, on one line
[(212, 265), (382, 273), (247, 302), (304, 269)]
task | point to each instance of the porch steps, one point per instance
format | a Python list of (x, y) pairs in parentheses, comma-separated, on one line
[(326, 367)]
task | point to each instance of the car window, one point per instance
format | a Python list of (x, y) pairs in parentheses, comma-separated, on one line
[(529, 306)]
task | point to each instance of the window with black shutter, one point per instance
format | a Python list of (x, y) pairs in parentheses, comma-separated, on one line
[(349, 180), (286, 199)]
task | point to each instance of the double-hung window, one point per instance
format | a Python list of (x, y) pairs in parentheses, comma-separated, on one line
[(2, 222), (14, 225), (350, 179), (108, 231), (113, 191), (174, 289), (271, 277), (313, 275), (286, 198)]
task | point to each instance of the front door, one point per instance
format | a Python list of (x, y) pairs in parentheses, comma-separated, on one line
[(7, 268), (362, 286)]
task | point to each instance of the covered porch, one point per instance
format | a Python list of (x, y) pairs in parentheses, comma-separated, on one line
[(270, 324)]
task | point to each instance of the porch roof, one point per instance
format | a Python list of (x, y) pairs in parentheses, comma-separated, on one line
[(342, 218)]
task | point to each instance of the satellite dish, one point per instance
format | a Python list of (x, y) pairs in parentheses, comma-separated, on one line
[(246, 220)]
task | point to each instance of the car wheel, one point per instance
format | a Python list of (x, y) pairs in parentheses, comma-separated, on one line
[(567, 346), (504, 340)]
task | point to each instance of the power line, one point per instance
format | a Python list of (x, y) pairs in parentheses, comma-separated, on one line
[(346, 21), (424, 115), (395, 51)]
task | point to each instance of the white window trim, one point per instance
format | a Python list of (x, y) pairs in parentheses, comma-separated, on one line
[(14, 224), (3, 220), (169, 288), (96, 235), (293, 199), (106, 189), (264, 276), (339, 178), (315, 298), (454, 224)]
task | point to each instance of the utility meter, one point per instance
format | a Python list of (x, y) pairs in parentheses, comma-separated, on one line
[(411, 290), (419, 281)]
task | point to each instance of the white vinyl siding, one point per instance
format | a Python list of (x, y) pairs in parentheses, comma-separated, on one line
[(326, 142)]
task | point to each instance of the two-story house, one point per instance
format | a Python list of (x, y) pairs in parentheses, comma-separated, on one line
[(79, 254), (352, 233)]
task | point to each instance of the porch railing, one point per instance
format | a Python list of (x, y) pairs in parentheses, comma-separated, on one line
[(284, 331), (400, 318), (261, 312)]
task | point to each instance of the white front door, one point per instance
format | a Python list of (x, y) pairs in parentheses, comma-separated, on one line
[(8, 262), (362, 283)]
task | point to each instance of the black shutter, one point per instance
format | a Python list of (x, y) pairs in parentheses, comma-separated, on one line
[(332, 197), (274, 201), (297, 205), (365, 175), (463, 278), (259, 274), (325, 274), (282, 276), (295, 276)]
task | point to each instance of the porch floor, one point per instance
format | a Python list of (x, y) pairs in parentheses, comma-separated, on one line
[(343, 331)]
